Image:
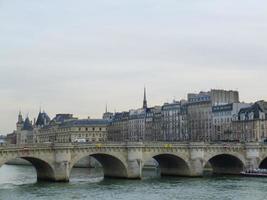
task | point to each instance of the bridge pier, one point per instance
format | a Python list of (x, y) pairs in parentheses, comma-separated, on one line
[(134, 162), (62, 172), (196, 167), (196, 160), (61, 166), (252, 156)]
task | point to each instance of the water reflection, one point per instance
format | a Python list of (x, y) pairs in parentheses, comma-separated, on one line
[(17, 175), (91, 175), (19, 183)]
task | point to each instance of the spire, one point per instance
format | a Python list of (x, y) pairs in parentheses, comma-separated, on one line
[(144, 101), (106, 107), (20, 118)]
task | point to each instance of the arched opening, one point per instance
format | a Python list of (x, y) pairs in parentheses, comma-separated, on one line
[(224, 164), (29, 168), (44, 171), (110, 166), (169, 165), (263, 164)]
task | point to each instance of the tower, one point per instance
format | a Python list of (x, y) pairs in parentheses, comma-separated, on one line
[(20, 122), (145, 101)]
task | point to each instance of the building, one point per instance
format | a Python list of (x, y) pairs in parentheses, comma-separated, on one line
[(223, 116), (72, 130), (2, 139), (223, 97), (24, 128), (129, 126), (251, 124), (154, 124), (174, 121), (11, 138), (199, 120), (63, 128), (199, 112), (136, 124), (118, 127), (107, 115)]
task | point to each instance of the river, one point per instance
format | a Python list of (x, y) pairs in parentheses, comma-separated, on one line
[(19, 183)]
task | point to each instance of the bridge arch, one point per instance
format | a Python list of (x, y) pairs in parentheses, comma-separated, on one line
[(170, 164), (113, 165), (225, 163), (44, 169), (263, 163)]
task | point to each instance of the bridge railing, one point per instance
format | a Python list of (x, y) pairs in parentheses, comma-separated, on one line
[(166, 144)]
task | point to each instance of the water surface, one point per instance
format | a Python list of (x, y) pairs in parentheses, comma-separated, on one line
[(19, 183)]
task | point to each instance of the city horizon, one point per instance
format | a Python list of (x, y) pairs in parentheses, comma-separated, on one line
[(100, 114)]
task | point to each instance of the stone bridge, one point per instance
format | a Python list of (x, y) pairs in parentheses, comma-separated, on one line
[(54, 162)]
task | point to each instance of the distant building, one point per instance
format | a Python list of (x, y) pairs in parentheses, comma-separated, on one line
[(137, 122), (174, 121), (199, 120), (199, 112), (2, 139), (154, 124), (63, 128), (107, 115), (118, 127), (222, 97), (24, 128), (90, 130), (223, 116), (129, 126), (251, 124), (11, 138), (216, 115)]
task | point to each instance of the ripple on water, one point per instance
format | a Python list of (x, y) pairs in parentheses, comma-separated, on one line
[(18, 183)]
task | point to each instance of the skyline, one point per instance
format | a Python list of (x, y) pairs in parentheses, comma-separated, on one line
[(106, 109), (74, 57)]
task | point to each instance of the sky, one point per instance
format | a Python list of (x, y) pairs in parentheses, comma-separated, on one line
[(77, 56)]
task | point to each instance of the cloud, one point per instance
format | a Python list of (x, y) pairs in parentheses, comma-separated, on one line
[(74, 56)]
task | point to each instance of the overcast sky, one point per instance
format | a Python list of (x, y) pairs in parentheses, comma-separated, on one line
[(76, 56)]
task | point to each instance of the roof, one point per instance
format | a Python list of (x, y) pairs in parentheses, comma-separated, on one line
[(262, 105), (42, 119), (27, 125), (85, 122), (60, 118), (256, 108)]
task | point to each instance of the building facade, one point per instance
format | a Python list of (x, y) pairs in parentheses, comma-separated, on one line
[(118, 127), (175, 121), (251, 124), (63, 128), (223, 117), (216, 115), (200, 115)]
